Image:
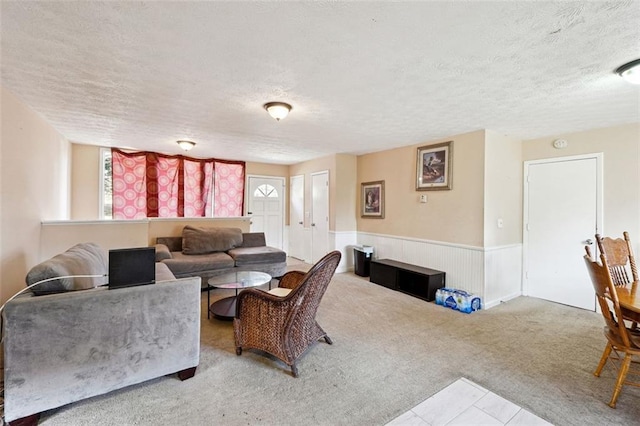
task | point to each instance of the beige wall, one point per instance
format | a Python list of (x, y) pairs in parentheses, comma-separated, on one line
[(502, 189), (454, 216), (346, 192), (85, 182), (34, 170), (620, 146), (264, 169)]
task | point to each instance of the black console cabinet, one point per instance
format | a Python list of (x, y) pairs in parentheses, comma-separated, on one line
[(414, 280)]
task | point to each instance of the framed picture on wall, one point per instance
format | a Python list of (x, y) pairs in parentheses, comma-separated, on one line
[(433, 170), (372, 199)]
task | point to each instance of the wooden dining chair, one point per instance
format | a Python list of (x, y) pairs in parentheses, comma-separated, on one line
[(620, 259), (623, 347)]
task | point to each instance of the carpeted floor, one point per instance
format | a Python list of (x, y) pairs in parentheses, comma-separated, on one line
[(390, 352)]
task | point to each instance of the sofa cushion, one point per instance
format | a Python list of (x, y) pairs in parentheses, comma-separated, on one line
[(251, 255), (81, 259), (209, 240), (181, 264)]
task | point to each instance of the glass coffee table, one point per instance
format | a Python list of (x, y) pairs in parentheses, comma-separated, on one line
[(225, 309)]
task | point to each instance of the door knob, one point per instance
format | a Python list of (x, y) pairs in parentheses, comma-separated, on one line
[(299, 223), (313, 224), (249, 212), (588, 241)]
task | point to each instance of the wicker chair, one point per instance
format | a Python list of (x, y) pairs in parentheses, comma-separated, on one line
[(285, 327)]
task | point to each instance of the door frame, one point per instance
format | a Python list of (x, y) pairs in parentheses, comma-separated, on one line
[(283, 182), (599, 157), (326, 237), (302, 243)]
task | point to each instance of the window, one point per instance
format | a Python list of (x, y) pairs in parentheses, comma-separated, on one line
[(146, 184), (106, 185), (265, 191)]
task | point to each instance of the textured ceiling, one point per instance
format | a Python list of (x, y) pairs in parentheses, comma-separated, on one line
[(361, 76)]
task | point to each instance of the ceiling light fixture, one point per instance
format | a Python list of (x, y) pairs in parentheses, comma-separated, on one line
[(277, 110), (186, 145), (630, 71)]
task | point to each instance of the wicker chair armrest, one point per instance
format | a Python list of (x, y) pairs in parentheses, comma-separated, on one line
[(291, 279)]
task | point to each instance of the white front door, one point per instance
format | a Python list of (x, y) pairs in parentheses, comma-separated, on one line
[(265, 206), (296, 217), (319, 215), (562, 214)]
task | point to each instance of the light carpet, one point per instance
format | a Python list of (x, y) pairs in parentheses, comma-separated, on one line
[(391, 351)]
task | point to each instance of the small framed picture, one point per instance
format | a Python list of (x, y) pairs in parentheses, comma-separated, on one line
[(434, 167), (372, 199)]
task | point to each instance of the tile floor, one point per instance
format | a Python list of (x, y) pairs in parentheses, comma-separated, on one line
[(466, 404)]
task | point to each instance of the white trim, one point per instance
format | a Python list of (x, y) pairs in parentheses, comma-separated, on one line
[(94, 222), (493, 303), (421, 240), (147, 220), (196, 219), (505, 247)]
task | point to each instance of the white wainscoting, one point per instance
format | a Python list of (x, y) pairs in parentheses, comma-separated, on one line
[(503, 274), (493, 273), (344, 242)]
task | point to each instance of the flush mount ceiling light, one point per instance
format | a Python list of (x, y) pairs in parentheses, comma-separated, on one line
[(277, 110), (630, 71), (186, 145)]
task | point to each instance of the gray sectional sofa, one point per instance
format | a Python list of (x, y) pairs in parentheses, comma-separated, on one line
[(78, 339), (208, 252)]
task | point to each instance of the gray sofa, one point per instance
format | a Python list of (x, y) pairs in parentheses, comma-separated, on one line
[(63, 346), (207, 252)]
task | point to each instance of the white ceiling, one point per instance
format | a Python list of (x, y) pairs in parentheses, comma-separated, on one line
[(361, 76)]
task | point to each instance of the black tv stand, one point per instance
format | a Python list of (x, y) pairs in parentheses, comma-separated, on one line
[(411, 279)]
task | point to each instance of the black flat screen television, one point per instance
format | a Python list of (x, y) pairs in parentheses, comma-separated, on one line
[(132, 266)]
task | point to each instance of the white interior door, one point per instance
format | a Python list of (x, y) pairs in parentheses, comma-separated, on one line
[(319, 215), (265, 206), (562, 211), (296, 217)]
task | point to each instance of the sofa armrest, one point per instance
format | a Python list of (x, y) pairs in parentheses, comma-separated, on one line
[(162, 252)]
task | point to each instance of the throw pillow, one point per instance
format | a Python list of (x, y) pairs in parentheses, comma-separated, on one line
[(209, 240)]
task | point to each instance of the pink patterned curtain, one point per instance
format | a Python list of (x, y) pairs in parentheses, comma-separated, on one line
[(129, 185), (147, 184), (229, 189)]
